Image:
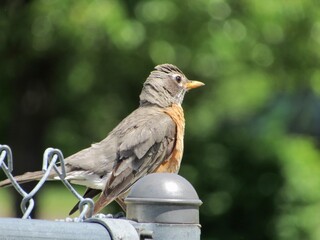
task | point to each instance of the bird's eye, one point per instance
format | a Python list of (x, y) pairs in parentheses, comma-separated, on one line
[(178, 78)]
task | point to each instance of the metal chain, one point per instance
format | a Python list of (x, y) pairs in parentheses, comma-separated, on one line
[(52, 160)]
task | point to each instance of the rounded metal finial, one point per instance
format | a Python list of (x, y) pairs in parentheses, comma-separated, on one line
[(163, 198)]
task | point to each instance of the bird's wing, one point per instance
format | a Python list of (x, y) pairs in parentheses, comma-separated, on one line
[(98, 159), (133, 136), (143, 147), (134, 148)]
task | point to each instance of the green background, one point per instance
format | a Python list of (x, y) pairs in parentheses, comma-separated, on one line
[(71, 70)]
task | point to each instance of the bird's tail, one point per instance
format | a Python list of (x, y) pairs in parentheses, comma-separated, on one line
[(102, 201), (24, 178)]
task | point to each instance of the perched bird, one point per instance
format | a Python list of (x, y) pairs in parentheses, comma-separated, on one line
[(149, 140)]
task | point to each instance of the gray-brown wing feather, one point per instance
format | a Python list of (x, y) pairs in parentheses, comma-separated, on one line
[(125, 149), (141, 151), (99, 158)]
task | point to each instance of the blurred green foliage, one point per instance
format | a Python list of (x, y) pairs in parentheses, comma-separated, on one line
[(252, 134)]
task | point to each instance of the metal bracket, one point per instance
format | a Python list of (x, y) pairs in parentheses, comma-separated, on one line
[(119, 229)]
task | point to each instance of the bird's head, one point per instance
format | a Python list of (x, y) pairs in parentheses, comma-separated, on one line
[(165, 86)]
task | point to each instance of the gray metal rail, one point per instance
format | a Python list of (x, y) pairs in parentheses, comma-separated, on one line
[(13, 228)]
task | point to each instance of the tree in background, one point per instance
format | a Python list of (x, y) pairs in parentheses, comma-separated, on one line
[(71, 70)]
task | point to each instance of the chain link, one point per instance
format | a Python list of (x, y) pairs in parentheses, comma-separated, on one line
[(53, 160)]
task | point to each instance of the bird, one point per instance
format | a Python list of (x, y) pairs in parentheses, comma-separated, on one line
[(149, 140)]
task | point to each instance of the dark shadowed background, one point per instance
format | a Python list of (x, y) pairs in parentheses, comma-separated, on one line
[(71, 70)]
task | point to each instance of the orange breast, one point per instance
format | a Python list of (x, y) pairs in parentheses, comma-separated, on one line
[(172, 164)]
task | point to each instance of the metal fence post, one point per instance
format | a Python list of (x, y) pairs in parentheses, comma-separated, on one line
[(165, 206)]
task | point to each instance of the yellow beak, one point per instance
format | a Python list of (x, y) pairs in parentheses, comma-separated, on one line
[(193, 84)]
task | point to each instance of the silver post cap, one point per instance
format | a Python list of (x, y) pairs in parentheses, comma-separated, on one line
[(163, 198)]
